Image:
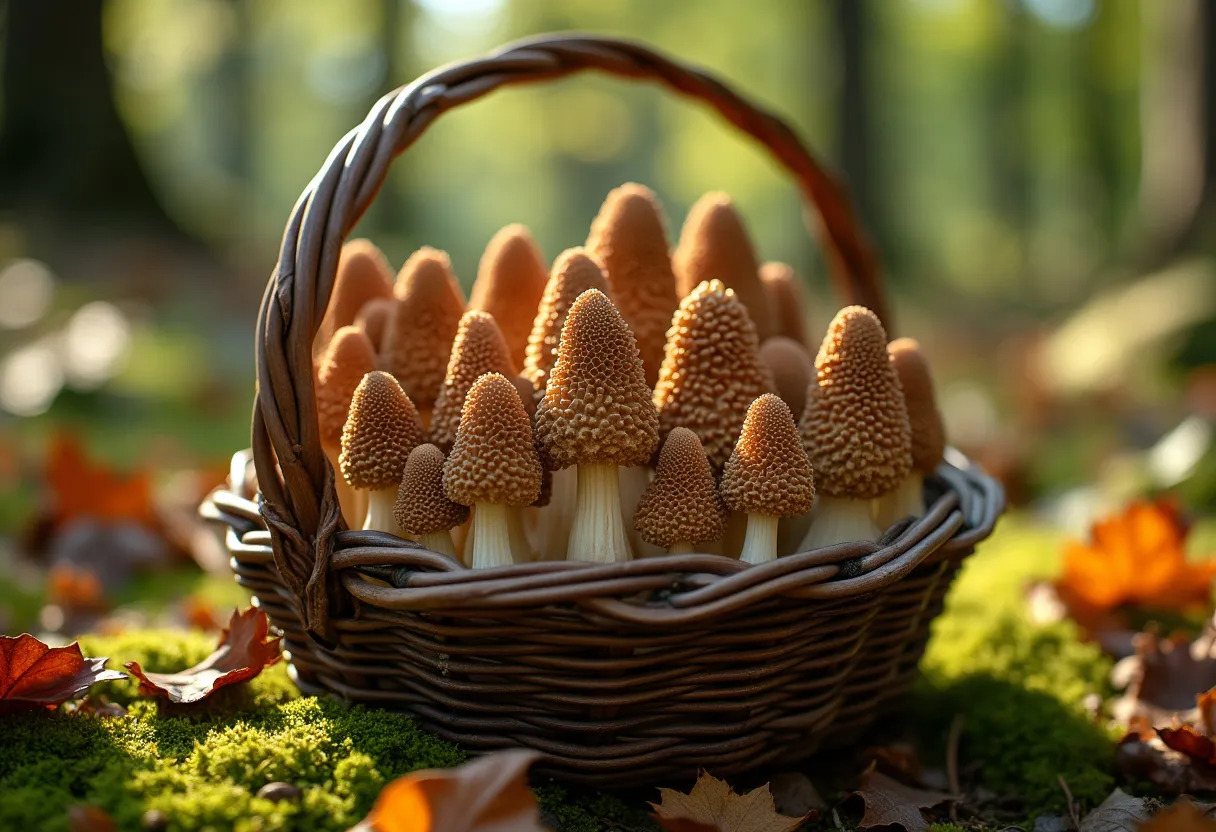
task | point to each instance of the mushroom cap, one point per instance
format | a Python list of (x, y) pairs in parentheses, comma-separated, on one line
[(928, 432), (478, 349), (855, 427), (681, 503), (785, 300), (374, 319), (422, 507), (711, 371), (792, 368), (380, 431), (494, 459), (769, 472), (597, 406), (423, 325), (573, 273), (629, 238), (347, 359), (363, 274), (510, 281), (714, 244)]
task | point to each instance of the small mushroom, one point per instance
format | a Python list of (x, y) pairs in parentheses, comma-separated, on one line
[(785, 301), (792, 369), (347, 359), (423, 507), (478, 349), (573, 273), (928, 432), (374, 319), (510, 281), (768, 476), (680, 509), (363, 274)]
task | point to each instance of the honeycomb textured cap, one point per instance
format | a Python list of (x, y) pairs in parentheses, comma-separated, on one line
[(711, 371), (494, 459), (855, 427), (792, 369), (714, 244), (597, 406), (769, 472), (374, 319), (681, 503), (573, 273), (363, 274), (422, 507), (478, 349), (347, 359), (423, 325), (785, 300), (928, 432), (380, 431), (629, 238), (510, 281)]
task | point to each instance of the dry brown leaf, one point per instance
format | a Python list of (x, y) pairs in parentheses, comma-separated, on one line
[(712, 805), (33, 675), (1120, 812), (1164, 677), (82, 488), (1141, 756), (889, 802), (1183, 816)]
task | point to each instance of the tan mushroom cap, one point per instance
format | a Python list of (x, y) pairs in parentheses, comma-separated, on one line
[(769, 472), (494, 459), (629, 239), (928, 432), (597, 406), (363, 274), (374, 319), (681, 504), (422, 507), (855, 428), (347, 359), (714, 244), (792, 369), (573, 273), (380, 431), (712, 371), (510, 281), (785, 300), (478, 349), (423, 325)]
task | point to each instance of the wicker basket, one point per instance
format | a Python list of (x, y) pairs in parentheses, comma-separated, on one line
[(624, 674)]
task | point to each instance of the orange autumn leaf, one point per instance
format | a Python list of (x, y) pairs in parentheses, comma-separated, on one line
[(82, 488), (1135, 558), (77, 589), (713, 806), (1183, 816)]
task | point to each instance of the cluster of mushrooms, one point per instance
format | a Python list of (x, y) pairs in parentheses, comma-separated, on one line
[(629, 401)]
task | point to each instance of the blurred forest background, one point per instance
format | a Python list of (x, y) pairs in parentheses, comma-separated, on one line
[(1037, 174)]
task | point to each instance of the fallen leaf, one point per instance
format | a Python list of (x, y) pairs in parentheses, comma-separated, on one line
[(33, 675), (198, 613), (1147, 757), (489, 794), (889, 802), (82, 488), (1164, 677), (75, 588), (1183, 816), (102, 707), (1188, 741), (90, 819), (794, 794), (712, 805), (1120, 812), (243, 651)]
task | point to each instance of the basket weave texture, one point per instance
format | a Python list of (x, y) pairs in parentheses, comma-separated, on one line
[(622, 674)]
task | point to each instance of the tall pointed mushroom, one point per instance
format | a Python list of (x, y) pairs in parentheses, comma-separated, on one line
[(855, 428), (363, 274), (422, 507), (785, 301), (928, 433), (423, 325), (479, 348), (791, 367), (714, 244), (629, 239), (493, 467), (597, 414), (711, 372), (768, 476), (681, 509), (374, 319), (380, 431), (510, 281), (347, 359)]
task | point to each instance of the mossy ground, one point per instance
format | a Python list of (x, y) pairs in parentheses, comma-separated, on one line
[(1017, 687)]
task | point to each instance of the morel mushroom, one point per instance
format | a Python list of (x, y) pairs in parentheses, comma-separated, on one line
[(380, 431), (711, 371), (363, 274), (479, 348), (423, 507), (680, 509), (791, 367), (768, 476), (573, 273), (714, 244), (785, 301), (493, 468), (374, 319), (597, 414), (629, 239), (510, 281), (342, 366), (855, 428), (928, 433)]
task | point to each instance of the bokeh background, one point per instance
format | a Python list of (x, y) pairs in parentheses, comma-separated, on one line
[(1037, 175)]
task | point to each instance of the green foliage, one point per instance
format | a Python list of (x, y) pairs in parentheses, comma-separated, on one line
[(590, 812)]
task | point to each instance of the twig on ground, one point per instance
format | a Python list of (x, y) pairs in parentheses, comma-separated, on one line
[(1072, 803), (952, 740)]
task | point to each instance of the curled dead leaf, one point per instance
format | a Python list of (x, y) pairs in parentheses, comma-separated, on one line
[(1119, 812), (889, 802), (33, 675), (712, 806), (1164, 677), (1182, 816)]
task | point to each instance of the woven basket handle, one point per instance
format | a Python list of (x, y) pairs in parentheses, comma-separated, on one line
[(300, 508)]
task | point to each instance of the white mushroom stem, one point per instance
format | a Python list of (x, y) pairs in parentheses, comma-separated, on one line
[(521, 547), (633, 482), (906, 501), (760, 541), (680, 547), (440, 542), (491, 536), (839, 520), (553, 521), (352, 501), (380, 518), (597, 534)]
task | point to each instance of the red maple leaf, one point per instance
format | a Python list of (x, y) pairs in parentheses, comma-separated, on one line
[(33, 675), (243, 651)]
